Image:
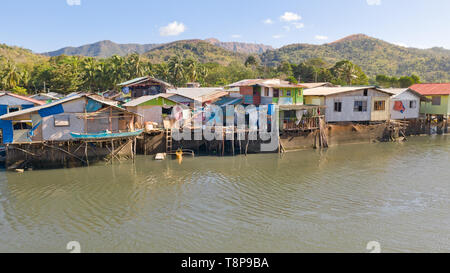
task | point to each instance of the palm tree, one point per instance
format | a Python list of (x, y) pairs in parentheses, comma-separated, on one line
[(90, 67), (135, 66), (12, 76), (191, 68), (176, 69), (347, 71)]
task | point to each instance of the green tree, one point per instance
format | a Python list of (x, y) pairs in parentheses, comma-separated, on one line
[(349, 73), (11, 76), (251, 61), (176, 69)]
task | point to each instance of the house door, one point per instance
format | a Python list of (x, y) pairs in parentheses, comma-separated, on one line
[(257, 95)]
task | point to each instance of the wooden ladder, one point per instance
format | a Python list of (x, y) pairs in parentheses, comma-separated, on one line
[(168, 140)]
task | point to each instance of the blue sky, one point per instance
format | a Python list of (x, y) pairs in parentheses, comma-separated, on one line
[(51, 24)]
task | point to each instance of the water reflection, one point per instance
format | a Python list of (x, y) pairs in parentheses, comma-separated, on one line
[(332, 200)]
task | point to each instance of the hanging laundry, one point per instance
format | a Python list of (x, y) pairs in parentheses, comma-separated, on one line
[(398, 106)]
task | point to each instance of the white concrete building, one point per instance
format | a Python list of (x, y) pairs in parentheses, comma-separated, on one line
[(353, 103)]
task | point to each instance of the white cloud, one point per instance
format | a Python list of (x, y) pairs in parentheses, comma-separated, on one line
[(73, 2), (298, 25), (287, 28), (278, 36), (172, 29), (290, 17), (321, 37), (268, 21), (236, 36), (373, 2)]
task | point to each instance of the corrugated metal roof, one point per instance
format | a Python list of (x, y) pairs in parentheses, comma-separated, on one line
[(228, 101), (142, 80), (275, 83), (431, 88), (399, 91), (4, 93), (317, 84), (47, 95), (326, 91), (199, 94), (144, 99), (63, 100)]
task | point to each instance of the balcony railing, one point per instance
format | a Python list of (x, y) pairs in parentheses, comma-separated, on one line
[(306, 123)]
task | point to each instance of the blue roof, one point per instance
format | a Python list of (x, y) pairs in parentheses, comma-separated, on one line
[(228, 101)]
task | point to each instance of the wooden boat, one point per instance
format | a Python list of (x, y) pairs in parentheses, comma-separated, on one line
[(106, 134)]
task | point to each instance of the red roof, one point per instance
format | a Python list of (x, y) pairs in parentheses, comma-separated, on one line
[(38, 102), (427, 89)]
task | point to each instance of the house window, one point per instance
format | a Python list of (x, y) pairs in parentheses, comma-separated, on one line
[(276, 92), (337, 106), (288, 93), (21, 126), (13, 109), (61, 121), (379, 105), (413, 104), (266, 91), (366, 91), (360, 106), (436, 100)]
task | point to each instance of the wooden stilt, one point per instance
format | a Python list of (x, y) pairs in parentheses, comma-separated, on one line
[(86, 153), (112, 151)]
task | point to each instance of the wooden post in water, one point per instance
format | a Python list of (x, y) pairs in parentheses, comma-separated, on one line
[(112, 151), (86, 152)]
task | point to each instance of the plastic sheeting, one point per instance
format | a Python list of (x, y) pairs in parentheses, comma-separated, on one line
[(6, 126), (50, 111), (27, 106), (31, 132), (93, 106)]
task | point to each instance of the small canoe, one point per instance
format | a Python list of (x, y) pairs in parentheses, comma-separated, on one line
[(105, 134)]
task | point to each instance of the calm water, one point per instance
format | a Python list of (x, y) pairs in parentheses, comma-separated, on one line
[(331, 201)]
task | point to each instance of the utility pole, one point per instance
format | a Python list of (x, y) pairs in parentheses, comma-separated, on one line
[(44, 88)]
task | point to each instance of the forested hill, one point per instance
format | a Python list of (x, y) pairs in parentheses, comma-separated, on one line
[(373, 55), (18, 54), (200, 50), (245, 48), (103, 49)]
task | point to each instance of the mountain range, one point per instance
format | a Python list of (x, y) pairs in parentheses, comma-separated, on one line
[(373, 55), (105, 49)]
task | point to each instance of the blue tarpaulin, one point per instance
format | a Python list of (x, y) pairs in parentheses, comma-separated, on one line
[(31, 133), (6, 126), (93, 106), (50, 111), (27, 106)]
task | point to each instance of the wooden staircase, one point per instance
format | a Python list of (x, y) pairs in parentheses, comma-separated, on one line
[(168, 140)]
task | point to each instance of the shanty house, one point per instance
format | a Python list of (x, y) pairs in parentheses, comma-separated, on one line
[(156, 108), (76, 114), (317, 84), (439, 98), (202, 95), (144, 86), (353, 103), (10, 103), (405, 103), (269, 91), (47, 97)]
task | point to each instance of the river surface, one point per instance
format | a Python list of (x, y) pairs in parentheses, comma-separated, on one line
[(308, 201)]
